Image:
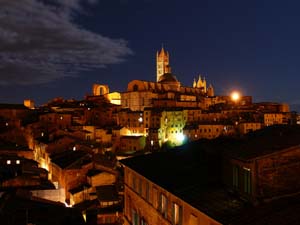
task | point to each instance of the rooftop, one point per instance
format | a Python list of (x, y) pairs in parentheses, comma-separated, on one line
[(265, 141), (12, 106), (175, 170), (70, 158), (167, 78), (5, 145), (21, 209)]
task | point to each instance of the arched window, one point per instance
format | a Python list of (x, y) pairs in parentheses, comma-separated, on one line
[(101, 91), (135, 87)]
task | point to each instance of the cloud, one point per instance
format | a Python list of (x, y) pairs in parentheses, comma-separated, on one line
[(40, 43)]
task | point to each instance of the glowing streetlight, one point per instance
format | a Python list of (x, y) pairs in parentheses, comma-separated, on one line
[(180, 137), (235, 96)]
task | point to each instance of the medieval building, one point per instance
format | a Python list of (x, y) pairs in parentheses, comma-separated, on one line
[(167, 91)]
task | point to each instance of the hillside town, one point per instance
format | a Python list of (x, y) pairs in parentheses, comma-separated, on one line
[(158, 153)]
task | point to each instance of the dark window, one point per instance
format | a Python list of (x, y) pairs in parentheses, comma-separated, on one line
[(133, 182), (140, 186), (147, 192), (143, 221), (247, 181), (235, 176), (135, 87), (101, 91), (135, 218)]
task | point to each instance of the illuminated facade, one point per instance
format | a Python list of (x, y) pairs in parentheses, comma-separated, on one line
[(148, 203), (171, 128), (167, 91), (103, 90), (201, 83), (149, 108), (29, 103), (249, 127), (273, 118), (162, 63)]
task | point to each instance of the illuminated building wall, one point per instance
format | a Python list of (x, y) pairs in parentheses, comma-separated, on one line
[(172, 124), (207, 131), (137, 100), (273, 118), (141, 94), (164, 125), (149, 203), (29, 103), (192, 115), (114, 98), (132, 120), (212, 117), (100, 89), (210, 131), (248, 127), (132, 143)]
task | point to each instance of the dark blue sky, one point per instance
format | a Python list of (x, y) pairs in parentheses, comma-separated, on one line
[(252, 46)]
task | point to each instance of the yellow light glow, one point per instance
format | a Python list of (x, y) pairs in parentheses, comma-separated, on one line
[(235, 96), (180, 137)]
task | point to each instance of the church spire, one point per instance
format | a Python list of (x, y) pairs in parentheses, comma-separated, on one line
[(199, 83), (162, 63), (194, 83)]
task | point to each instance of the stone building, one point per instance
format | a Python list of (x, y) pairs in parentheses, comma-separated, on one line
[(224, 181), (167, 91), (266, 164), (69, 169)]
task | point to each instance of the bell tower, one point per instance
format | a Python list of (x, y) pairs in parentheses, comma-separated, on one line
[(162, 63)]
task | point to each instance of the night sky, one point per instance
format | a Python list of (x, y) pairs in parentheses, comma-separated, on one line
[(60, 48)]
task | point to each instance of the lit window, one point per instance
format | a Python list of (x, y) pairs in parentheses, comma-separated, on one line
[(163, 205), (176, 214), (8, 162)]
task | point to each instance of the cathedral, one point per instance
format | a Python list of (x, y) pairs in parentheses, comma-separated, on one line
[(163, 67), (166, 91)]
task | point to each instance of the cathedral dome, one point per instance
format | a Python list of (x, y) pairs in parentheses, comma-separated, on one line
[(167, 78)]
